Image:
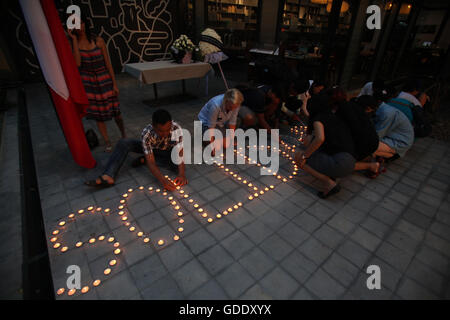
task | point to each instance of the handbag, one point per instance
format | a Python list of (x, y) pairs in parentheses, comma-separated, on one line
[(92, 139)]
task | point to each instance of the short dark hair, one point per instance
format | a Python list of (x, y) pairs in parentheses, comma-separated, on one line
[(367, 101), (378, 85), (412, 85), (301, 85), (161, 117)]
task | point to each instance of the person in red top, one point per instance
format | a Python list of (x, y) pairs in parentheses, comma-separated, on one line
[(97, 74)]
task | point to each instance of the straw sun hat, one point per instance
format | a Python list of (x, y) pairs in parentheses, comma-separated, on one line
[(210, 42)]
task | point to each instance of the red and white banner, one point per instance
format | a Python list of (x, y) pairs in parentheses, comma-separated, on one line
[(60, 72)]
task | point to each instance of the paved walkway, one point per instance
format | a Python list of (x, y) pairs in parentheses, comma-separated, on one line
[(286, 244)]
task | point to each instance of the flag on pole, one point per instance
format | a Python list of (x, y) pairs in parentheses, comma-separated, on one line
[(57, 73)]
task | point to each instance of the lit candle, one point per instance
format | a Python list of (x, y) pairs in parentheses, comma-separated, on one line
[(124, 218), (272, 187), (71, 216), (240, 204), (116, 245), (176, 238), (121, 213), (53, 239), (210, 220), (180, 229), (85, 289), (72, 292), (107, 210), (125, 195), (181, 221), (146, 240), (101, 238), (180, 214), (158, 190), (107, 271), (60, 291), (122, 201), (79, 244), (90, 208), (80, 211), (62, 223), (200, 210), (111, 239), (113, 263), (250, 198), (92, 240), (205, 215), (150, 189), (132, 229), (230, 210), (117, 251), (161, 242), (96, 283), (236, 207), (121, 207), (177, 207), (64, 249), (140, 234), (219, 216), (56, 245), (99, 209)]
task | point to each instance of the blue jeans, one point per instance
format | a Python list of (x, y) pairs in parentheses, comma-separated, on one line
[(125, 146)]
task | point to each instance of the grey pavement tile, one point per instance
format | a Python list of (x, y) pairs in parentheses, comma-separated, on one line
[(151, 222), (392, 205), (441, 245), (220, 229), (199, 184), (424, 208), (399, 197), (328, 236), (378, 187), (257, 231), (405, 189), (273, 220), (163, 289), (227, 185), (273, 199), (416, 218), (209, 291), (235, 280), (302, 200), (425, 276), (211, 193), (293, 234), (118, 287), (288, 209), (215, 259), (315, 251), (303, 294), (175, 255), (240, 218), (279, 284), (258, 208), (403, 241), (410, 290), (257, 263), (276, 247), (429, 199), (384, 215), (355, 253), (340, 223), (320, 211), (411, 230), (440, 230), (199, 241), (141, 208), (375, 227), (365, 239), (147, 271), (307, 222), (433, 259), (190, 276), (370, 195), (352, 214), (237, 244), (324, 287), (136, 251), (256, 293), (341, 269), (397, 258)]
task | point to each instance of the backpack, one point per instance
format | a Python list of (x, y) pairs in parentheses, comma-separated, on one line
[(422, 127)]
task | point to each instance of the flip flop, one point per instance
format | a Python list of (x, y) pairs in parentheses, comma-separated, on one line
[(333, 191), (101, 185)]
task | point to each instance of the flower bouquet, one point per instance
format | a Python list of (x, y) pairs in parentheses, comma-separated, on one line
[(182, 49)]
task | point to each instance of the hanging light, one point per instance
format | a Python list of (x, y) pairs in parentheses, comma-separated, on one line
[(405, 9), (344, 7)]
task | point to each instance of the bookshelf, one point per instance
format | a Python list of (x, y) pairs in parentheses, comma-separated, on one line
[(236, 21)]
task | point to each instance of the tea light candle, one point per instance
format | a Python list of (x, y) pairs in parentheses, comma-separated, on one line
[(161, 242), (205, 215), (116, 245), (107, 271), (236, 207), (180, 214), (80, 211), (125, 195), (230, 210), (53, 239), (60, 291), (64, 249), (90, 208), (120, 207), (107, 210), (117, 251), (140, 234), (71, 216), (176, 238), (85, 289), (210, 220), (121, 213), (56, 245), (122, 201), (79, 244), (180, 229), (92, 240), (177, 207), (96, 283), (146, 240), (110, 239), (132, 229), (62, 223), (150, 189), (124, 218), (72, 292), (99, 209), (101, 238), (219, 216), (113, 263), (181, 221), (158, 190), (250, 198), (240, 204)]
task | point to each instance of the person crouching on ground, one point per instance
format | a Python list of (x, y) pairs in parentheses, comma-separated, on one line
[(260, 107), (221, 112), (158, 140), (330, 151)]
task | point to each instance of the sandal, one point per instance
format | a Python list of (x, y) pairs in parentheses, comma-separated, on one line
[(108, 148), (103, 183), (333, 191)]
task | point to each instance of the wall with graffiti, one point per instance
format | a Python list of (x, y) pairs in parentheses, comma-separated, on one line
[(134, 30)]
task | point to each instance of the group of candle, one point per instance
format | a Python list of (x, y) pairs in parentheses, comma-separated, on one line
[(255, 193)]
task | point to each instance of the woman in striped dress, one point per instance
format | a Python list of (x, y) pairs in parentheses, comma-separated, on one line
[(97, 74)]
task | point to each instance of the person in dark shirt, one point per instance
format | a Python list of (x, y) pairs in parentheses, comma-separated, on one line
[(260, 106), (356, 114), (330, 152)]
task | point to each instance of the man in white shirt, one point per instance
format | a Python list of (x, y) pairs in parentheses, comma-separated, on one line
[(221, 111), (410, 91)]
